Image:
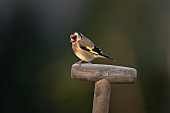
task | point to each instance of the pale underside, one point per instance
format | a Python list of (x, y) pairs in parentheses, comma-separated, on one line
[(84, 55)]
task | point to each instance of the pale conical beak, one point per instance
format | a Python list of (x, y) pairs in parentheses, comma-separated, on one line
[(71, 40)]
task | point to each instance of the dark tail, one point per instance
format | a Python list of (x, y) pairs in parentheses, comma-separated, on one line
[(99, 51), (104, 55)]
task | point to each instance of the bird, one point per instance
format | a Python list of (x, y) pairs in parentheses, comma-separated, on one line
[(85, 49)]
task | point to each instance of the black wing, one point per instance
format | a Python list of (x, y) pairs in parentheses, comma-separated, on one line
[(95, 50)]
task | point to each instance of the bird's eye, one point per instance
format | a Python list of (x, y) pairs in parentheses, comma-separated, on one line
[(74, 37)]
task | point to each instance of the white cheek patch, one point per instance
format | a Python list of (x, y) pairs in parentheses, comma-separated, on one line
[(76, 33), (71, 40)]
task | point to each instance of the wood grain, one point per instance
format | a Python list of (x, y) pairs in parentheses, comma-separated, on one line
[(95, 72), (101, 96)]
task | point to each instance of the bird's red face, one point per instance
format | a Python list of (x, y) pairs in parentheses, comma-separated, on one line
[(73, 38)]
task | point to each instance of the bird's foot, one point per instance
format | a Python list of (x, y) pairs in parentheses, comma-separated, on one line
[(79, 62)]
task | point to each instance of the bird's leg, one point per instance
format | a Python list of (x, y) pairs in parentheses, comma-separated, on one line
[(79, 62), (89, 62)]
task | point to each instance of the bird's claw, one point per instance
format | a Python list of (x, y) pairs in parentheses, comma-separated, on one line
[(79, 62)]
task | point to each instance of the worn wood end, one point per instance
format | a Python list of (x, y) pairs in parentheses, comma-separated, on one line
[(95, 72)]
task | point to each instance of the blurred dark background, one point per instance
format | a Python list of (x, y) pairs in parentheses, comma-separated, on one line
[(36, 56)]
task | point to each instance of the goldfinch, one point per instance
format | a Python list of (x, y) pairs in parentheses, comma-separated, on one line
[(85, 49)]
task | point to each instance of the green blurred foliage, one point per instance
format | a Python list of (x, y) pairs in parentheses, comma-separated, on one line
[(36, 56)]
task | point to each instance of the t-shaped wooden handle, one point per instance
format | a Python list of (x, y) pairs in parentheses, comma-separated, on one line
[(103, 75)]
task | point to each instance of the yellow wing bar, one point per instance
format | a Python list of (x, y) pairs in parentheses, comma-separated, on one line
[(90, 50)]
